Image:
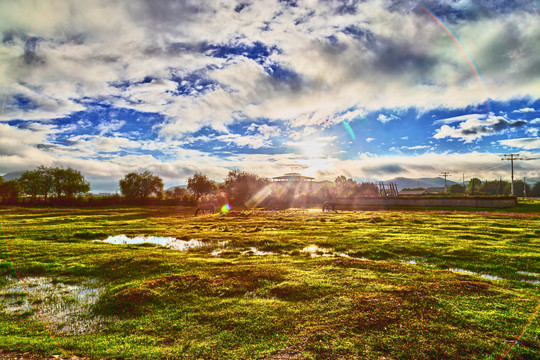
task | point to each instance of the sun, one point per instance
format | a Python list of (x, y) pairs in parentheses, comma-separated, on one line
[(312, 149)]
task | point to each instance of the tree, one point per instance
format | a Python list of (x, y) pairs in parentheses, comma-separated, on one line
[(344, 186), (456, 189), (141, 185), (46, 180), (175, 193), (68, 182), (30, 183), (73, 182), (9, 191), (474, 186), (200, 185), (495, 187), (241, 186), (366, 189), (520, 188), (535, 191)]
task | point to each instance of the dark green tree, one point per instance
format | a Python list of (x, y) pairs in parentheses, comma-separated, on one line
[(456, 189), (30, 183), (9, 191), (68, 182), (140, 186), (344, 186), (241, 186), (535, 191), (366, 189), (521, 188), (46, 180), (176, 193), (495, 187), (73, 183), (474, 186), (200, 185)]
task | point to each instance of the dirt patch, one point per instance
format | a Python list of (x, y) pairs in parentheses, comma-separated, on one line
[(136, 295), (177, 282), (294, 291)]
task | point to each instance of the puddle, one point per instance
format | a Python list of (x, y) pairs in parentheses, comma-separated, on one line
[(529, 273), (485, 276), (316, 251), (169, 242), (413, 262), (62, 308), (352, 257), (255, 251)]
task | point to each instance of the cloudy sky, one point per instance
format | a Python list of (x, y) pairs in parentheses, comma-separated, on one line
[(372, 89)]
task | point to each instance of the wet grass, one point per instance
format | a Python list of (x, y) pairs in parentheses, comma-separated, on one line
[(392, 284)]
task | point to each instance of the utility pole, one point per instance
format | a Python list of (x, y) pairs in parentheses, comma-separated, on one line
[(445, 174), (512, 157), (524, 188), (463, 180)]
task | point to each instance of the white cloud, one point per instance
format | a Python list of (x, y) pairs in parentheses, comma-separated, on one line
[(386, 118), (525, 110), (107, 127), (459, 119), (417, 147), (251, 141), (369, 139), (473, 128), (522, 143)]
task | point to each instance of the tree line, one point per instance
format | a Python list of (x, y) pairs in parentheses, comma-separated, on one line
[(477, 187), (59, 186)]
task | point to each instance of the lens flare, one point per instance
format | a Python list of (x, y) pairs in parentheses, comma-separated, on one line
[(225, 208), (349, 129), (466, 52), (259, 197)]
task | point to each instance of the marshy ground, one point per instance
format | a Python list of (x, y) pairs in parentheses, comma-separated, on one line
[(295, 284)]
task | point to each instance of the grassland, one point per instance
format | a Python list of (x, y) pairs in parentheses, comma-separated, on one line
[(296, 284)]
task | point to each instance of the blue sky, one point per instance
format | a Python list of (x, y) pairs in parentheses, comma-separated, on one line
[(369, 89)]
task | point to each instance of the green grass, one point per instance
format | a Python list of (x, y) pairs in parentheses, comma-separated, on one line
[(383, 290)]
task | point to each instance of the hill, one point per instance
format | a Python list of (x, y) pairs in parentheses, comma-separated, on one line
[(403, 182), (12, 175)]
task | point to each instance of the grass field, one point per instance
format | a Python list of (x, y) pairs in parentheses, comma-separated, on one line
[(295, 284)]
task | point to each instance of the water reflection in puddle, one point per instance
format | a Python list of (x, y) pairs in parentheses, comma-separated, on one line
[(529, 273), (316, 251), (62, 308), (255, 251), (468, 272), (169, 242)]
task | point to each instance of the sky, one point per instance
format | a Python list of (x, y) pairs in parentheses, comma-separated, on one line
[(372, 89)]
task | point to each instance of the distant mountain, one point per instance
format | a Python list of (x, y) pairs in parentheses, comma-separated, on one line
[(180, 186), (12, 175), (403, 182)]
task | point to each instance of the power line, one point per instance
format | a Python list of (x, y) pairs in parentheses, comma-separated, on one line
[(512, 157)]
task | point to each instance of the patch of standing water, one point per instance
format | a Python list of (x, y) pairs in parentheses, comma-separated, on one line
[(169, 242), (529, 273), (315, 251), (485, 276), (62, 308), (255, 251)]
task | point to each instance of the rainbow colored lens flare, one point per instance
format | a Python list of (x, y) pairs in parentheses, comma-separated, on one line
[(349, 129), (225, 208), (465, 51)]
